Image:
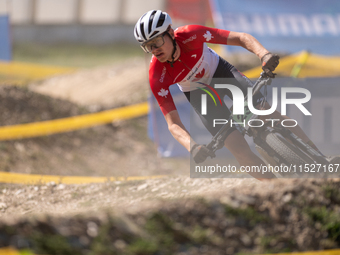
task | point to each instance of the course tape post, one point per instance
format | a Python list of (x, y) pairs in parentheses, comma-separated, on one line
[(72, 123)]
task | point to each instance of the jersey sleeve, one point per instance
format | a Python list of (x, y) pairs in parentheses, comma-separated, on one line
[(159, 85), (204, 34)]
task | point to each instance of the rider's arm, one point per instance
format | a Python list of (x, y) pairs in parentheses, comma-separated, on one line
[(159, 84), (177, 129), (220, 36), (248, 42)]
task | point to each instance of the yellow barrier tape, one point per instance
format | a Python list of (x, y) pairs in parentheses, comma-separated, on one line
[(326, 252), (17, 178), (11, 251), (284, 68), (313, 66), (299, 64), (8, 251), (72, 123), (29, 71), (321, 66)]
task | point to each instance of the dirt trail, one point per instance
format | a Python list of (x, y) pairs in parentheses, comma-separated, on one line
[(101, 87), (60, 199), (171, 215)]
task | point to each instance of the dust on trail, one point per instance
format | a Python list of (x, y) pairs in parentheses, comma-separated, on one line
[(60, 199), (106, 86), (171, 215)]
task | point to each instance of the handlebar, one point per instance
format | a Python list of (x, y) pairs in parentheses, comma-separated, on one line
[(263, 80)]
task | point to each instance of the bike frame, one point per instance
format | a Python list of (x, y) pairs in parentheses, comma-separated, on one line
[(217, 141)]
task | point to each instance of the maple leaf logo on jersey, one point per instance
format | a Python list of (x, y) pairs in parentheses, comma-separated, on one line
[(199, 75), (163, 93), (208, 36)]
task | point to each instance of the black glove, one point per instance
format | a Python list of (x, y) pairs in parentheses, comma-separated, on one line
[(269, 63), (200, 153)]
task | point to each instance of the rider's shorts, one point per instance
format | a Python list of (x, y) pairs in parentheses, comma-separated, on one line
[(224, 70)]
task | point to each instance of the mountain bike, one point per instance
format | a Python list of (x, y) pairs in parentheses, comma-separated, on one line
[(276, 144)]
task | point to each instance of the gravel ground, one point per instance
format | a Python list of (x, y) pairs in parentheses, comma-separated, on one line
[(171, 215)]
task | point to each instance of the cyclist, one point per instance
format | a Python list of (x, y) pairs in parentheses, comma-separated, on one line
[(182, 57)]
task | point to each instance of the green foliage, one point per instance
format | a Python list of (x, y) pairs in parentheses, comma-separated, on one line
[(330, 220), (248, 213), (102, 243), (200, 235), (161, 227), (142, 247), (332, 192), (52, 244), (25, 252)]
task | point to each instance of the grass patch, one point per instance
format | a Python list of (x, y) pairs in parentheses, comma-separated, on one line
[(102, 244), (142, 247), (329, 220), (248, 214), (269, 244), (161, 226), (52, 244), (332, 192), (75, 55)]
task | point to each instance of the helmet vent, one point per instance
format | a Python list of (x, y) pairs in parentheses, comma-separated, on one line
[(161, 20), (152, 16), (154, 33), (152, 24), (142, 30)]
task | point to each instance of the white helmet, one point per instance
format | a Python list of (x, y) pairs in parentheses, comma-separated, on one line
[(151, 24)]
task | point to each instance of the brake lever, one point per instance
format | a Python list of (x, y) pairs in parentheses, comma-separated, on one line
[(265, 75)]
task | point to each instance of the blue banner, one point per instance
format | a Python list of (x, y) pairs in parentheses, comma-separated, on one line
[(5, 42), (284, 26)]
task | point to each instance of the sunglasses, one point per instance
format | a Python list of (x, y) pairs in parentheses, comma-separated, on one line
[(154, 43)]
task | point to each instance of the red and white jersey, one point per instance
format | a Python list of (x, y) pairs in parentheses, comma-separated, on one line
[(196, 64)]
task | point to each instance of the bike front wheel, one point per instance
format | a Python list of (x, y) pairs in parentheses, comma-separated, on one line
[(289, 153)]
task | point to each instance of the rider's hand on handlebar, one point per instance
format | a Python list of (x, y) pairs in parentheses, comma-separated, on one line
[(200, 153), (269, 63)]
